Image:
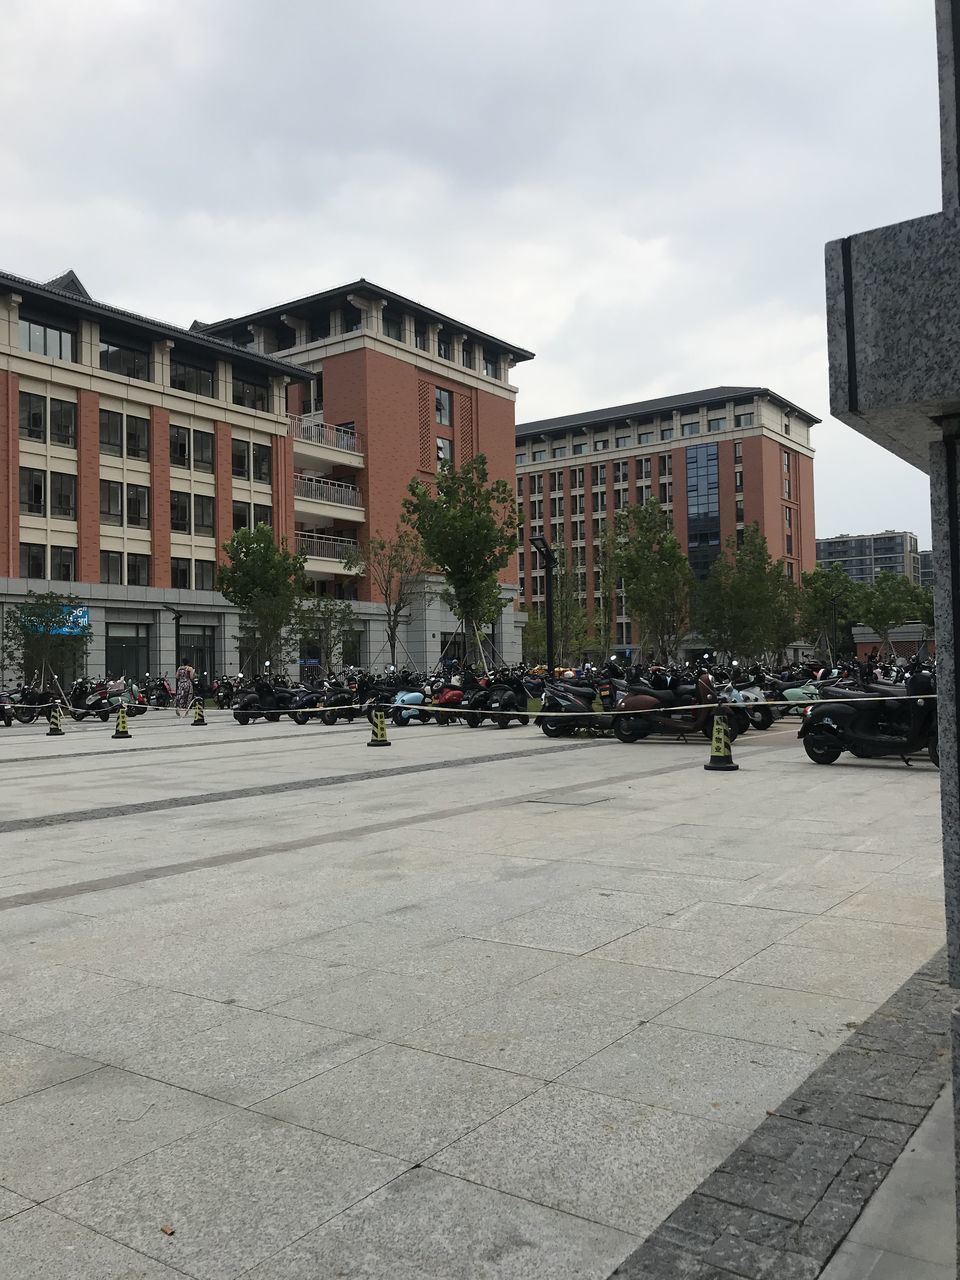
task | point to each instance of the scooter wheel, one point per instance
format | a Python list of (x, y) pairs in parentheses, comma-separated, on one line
[(472, 719), (329, 718), (626, 729), (524, 720), (272, 716), (821, 751), (553, 728), (760, 717), (103, 715), (241, 717), (299, 717)]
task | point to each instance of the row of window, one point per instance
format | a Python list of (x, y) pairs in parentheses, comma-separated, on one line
[(63, 565), (579, 447)]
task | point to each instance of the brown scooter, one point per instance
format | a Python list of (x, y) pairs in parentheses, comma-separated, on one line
[(674, 711)]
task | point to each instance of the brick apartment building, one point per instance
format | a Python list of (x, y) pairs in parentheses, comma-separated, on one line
[(131, 449), (718, 460)]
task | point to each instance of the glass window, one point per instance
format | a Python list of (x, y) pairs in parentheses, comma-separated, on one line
[(138, 438), (262, 514), (241, 516), (690, 429), (111, 567), (63, 564), (240, 459), (466, 356), (491, 363), (192, 378), (444, 450), (666, 464), (666, 433), (744, 419), (621, 442), (33, 560), (203, 451), (521, 458), (47, 340), (111, 433), (558, 451), (738, 480), (202, 515), (63, 423), (129, 362), (33, 417), (262, 462), (138, 570), (180, 573), (443, 346), (393, 325), (179, 447), (253, 395), (579, 447), (420, 335), (539, 455), (204, 575), (598, 475), (716, 424), (737, 450), (127, 648), (32, 491), (138, 506), (600, 445), (620, 471), (788, 517), (645, 437), (443, 406), (111, 502), (179, 511), (63, 496)]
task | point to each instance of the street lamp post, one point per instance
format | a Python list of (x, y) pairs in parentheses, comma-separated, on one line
[(177, 615), (539, 543)]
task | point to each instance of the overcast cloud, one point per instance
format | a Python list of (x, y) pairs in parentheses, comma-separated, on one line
[(637, 190)]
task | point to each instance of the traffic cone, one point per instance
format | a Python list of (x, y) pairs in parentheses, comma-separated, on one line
[(379, 737), (121, 730), (721, 757), (56, 727), (198, 716)]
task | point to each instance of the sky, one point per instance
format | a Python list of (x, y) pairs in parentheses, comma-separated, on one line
[(639, 191)]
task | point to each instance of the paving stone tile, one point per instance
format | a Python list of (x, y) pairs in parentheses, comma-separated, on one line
[(692, 1072), (40, 1245), (753, 924), (26, 997), (830, 973), (757, 1262), (859, 1262), (403, 1102), (263, 979), (893, 906), (11, 1204), (364, 945), (771, 1015), (235, 1193), (431, 1226), (641, 1160), (563, 926), (629, 991), (384, 1005), (869, 938), (708, 954), (478, 966), (27, 1067), (81, 1128)]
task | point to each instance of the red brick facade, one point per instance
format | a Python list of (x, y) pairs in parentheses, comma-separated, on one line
[(223, 478), (160, 491), (9, 475), (88, 486)]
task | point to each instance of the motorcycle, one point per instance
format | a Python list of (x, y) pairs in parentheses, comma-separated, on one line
[(508, 699), (88, 699), (157, 690), (410, 705), (28, 702), (267, 700), (677, 710), (6, 710), (868, 725), (568, 706)]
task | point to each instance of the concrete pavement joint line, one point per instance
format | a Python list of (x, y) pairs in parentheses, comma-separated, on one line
[(787, 1197), (58, 892)]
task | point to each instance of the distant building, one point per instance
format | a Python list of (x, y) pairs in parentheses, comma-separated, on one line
[(926, 568), (863, 556)]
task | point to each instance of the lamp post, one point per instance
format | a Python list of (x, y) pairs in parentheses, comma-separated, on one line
[(539, 543), (177, 615)]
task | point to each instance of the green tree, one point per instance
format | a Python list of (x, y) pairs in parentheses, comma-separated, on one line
[(605, 597), (34, 643), (656, 576), (571, 623), (267, 583), (323, 623), (923, 608), (534, 636), (889, 602), (747, 607), (395, 565), (468, 526), (829, 602)]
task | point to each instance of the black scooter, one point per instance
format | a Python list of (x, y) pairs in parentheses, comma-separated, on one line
[(853, 721), (267, 700)]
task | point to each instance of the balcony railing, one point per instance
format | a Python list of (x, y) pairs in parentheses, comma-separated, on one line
[(315, 544), (311, 428), (344, 495)]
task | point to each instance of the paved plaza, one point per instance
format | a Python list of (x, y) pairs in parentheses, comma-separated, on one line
[(278, 1006)]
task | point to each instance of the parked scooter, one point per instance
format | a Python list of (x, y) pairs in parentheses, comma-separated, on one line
[(568, 706), (853, 720), (88, 699), (264, 699), (677, 710)]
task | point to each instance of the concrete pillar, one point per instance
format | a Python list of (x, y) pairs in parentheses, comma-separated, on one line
[(160, 361), (224, 387)]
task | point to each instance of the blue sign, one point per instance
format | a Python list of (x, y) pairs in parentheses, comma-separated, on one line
[(74, 621)]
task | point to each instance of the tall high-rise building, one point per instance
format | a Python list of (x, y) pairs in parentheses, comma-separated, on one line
[(717, 460), (862, 556)]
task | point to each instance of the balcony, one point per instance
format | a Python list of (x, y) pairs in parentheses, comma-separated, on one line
[(331, 499), (325, 555), (312, 437)]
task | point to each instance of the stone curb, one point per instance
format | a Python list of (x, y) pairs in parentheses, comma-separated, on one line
[(784, 1201)]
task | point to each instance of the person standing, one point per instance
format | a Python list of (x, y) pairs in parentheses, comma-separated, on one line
[(184, 694)]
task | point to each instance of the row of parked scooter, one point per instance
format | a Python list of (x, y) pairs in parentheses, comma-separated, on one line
[(94, 698)]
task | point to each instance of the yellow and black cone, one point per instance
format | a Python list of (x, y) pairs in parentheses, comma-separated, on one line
[(198, 716), (121, 731), (379, 737), (721, 757), (56, 726)]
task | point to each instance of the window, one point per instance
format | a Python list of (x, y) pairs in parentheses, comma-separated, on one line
[(241, 516), (138, 506), (179, 511), (556, 481), (179, 447), (739, 511), (138, 438), (192, 378), (600, 500), (262, 463), (63, 496), (786, 426), (786, 461), (666, 433), (576, 478), (690, 429), (33, 560), (128, 361), (598, 475), (33, 417), (111, 567), (558, 451), (180, 573), (491, 363), (666, 464), (138, 570), (47, 340), (203, 451), (737, 450), (204, 574), (579, 447), (539, 455), (63, 564), (645, 467), (63, 423), (466, 356), (790, 570), (536, 484), (521, 458), (202, 515), (393, 325), (621, 442), (127, 648), (789, 541), (600, 445), (666, 491), (444, 450), (262, 514), (111, 502), (443, 407), (420, 335), (253, 395), (645, 437), (556, 506), (716, 424), (788, 517), (111, 433), (599, 524), (743, 420), (240, 459), (443, 347), (738, 480), (620, 470), (32, 491)]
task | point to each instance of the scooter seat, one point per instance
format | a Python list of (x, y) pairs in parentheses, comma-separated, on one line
[(579, 690)]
